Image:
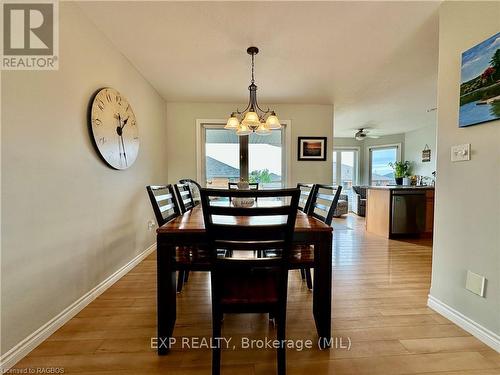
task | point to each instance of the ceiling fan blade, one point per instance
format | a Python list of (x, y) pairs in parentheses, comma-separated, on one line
[(373, 136)]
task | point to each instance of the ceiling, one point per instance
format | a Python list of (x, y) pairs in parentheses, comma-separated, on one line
[(376, 62)]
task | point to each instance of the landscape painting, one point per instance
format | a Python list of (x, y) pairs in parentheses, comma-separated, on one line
[(312, 148), (480, 83)]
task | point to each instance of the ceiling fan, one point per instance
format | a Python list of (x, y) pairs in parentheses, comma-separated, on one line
[(363, 133)]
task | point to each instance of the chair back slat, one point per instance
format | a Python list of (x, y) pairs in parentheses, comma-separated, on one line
[(251, 185), (325, 197), (305, 196), (264, 225), (324, 202), (321, 207), (163, 197), (251, 211), (167, 207), (163, 202), (184, 197)]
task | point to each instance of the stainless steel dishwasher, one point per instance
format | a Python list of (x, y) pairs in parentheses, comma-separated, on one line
[(408, 212)]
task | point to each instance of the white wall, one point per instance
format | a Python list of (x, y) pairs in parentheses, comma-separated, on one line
[(415, 142), (69, 221), (467, 215), (306, 120)]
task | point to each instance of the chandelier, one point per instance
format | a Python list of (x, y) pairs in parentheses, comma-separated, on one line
[(253, 118)]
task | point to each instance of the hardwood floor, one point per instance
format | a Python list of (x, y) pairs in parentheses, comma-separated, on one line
[(379, 304)]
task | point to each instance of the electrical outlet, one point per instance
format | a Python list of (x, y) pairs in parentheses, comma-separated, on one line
[(460, 152), (151, 225), (475, 283)]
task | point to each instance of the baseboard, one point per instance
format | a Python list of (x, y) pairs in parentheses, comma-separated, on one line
[(485, 335), (24, 347)]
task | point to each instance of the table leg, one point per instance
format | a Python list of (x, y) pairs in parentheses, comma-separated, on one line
[(166, 293), (322, 291)]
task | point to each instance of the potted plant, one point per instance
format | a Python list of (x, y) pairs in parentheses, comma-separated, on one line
[(401, 170)]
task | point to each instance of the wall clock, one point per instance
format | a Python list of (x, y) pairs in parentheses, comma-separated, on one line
[(114, 128)]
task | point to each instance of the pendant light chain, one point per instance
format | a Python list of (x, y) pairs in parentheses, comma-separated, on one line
[(253, 119), (253, 67)]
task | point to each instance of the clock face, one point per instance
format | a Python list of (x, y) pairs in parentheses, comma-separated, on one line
[(114, 128)]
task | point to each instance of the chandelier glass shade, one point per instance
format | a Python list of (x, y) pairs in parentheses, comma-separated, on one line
[(243, 130), (232, 123), (253, 119)]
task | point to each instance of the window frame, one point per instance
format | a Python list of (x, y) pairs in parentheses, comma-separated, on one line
[(337, 174), (202, 124), (385, 146)]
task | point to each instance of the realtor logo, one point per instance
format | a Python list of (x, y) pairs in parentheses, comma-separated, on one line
[(30, 35)]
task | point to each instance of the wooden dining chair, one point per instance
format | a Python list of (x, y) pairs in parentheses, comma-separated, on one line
[(166, 208), (195, 188), (186, 203), (305, 196), (323, 202), (306, 191), (249, 284), (164, 204), (184, 197), (304, 202)]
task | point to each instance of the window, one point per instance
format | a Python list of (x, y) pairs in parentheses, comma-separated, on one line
[(222, 157), (345, 169), (381, 173), (265, 159), (227, 157)]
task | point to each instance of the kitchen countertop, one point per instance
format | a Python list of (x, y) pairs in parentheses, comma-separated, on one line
[(401, 187)]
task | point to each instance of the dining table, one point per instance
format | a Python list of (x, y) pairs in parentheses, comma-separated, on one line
[(188, 229)]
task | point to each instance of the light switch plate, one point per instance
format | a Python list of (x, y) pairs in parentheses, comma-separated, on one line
[(475, 283), (460, 152)]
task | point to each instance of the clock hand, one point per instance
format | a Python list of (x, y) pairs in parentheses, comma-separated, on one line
[(119, 127), (120, 150), (124, 154), (125, 122), (121, 144)]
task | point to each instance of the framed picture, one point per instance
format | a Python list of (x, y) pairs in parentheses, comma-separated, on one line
[(426, 154), (312, 148), (480, 83)]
